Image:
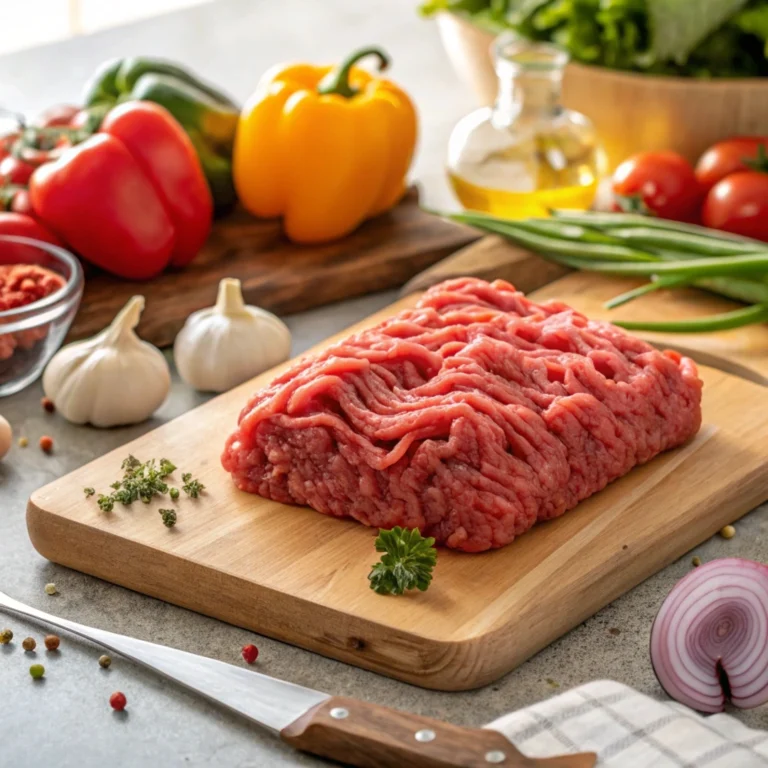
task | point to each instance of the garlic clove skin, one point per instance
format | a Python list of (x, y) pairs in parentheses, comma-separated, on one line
[(222, 346), (112, 379)]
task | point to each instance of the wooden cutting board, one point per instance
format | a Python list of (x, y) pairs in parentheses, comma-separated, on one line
[(277, 274), (299, 576), (742, 351)]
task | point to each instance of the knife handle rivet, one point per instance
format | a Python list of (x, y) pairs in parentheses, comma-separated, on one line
[(425, 735), (495, 756), (339, 713)]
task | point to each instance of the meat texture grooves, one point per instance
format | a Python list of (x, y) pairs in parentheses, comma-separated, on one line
[(471, 417)]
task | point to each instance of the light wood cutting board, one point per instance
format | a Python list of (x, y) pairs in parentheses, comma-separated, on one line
[(296, 575)]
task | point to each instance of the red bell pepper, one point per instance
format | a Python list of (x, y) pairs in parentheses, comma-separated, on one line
[(131, 199)]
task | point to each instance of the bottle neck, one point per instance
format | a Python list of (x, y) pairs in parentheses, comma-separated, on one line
[(528, 96)]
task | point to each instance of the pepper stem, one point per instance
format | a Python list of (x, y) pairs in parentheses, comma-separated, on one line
[(230, 298), (126, 319), (337, 80)]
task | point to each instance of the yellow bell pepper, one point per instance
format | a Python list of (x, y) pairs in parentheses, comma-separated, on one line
[(324, 147)]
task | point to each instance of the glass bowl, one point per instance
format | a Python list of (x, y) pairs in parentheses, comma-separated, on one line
[(29, 335)]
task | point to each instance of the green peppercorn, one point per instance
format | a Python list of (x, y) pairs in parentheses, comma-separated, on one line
[(37, 671), (104, 661), (174, 493), (5, 636)]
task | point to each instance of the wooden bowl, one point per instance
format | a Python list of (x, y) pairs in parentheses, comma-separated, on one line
[(632, 112)]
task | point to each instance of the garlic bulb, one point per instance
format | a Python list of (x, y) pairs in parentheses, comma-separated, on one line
[(229, 343), (113, 378)]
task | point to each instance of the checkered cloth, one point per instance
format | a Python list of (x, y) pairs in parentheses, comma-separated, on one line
[(629, 730)]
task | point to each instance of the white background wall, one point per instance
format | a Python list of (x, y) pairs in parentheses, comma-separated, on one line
[(35, 22)]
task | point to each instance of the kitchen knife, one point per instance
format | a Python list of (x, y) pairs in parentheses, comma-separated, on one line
[(350, 731)]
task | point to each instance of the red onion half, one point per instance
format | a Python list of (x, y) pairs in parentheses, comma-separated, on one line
[(709, 641)]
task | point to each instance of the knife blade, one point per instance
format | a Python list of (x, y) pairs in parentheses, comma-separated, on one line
[(350, 731)]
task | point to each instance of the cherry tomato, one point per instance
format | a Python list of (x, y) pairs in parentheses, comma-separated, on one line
[(6, 142), (727, 157), (57, 115), (739, 204), (20, 202), (661, 183), (15, 171)]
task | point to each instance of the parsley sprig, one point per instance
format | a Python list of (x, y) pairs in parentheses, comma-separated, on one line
[(407, 562)]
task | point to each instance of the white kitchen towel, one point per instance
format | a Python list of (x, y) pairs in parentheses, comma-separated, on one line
[(630, 730)]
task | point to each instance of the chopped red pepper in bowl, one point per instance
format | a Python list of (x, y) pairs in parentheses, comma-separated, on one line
[(40, 289)]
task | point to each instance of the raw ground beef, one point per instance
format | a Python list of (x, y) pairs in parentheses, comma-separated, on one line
[(471, 417)]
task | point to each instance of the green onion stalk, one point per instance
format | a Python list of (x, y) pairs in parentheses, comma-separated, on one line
[(670, 254)]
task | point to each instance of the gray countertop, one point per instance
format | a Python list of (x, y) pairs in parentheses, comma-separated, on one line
[(66, 721)]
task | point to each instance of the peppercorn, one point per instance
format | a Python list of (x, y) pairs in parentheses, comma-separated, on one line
[(104, 661), (250, 653), (696, 561), (23, 442), (48, 405), (50, 589), (5, 636), (728, 532), (52, 642), (29, 644), (46, 443), (174, 493), (118, 701), (37, 671)]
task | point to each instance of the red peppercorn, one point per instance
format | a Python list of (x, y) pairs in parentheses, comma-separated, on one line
[(48, 405), (46, 443), (250, 653), (118, 701), (52, 642)]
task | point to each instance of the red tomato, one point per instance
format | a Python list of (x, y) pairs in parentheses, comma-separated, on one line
[(662, 183), (739, 204), (727, 157), (15, 171), (20, 202), (57, 115)]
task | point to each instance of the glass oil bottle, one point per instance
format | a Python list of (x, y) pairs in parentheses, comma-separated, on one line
[(526, 154)]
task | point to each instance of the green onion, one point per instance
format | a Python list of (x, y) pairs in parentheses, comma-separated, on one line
[(725, 321), (672, 254)]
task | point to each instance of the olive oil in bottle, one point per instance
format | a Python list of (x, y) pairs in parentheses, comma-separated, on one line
[(527, 153)]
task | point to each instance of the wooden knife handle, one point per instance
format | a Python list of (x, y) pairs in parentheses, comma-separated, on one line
[(366, 735)]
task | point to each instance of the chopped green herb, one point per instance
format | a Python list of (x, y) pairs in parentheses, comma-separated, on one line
[(192, 488), (143, 481), (130, 463), (169, 517), (407, 562), (89, 492)]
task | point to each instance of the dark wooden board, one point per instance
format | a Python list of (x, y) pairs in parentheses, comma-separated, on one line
[(277, 274)]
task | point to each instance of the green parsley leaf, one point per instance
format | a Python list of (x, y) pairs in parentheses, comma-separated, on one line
[(89, 492), (407, 562)]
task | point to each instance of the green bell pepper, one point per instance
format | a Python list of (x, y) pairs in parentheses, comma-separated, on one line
[(207, 115)]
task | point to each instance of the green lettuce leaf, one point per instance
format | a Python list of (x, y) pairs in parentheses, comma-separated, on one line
[(754, 21), (678, 26)]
